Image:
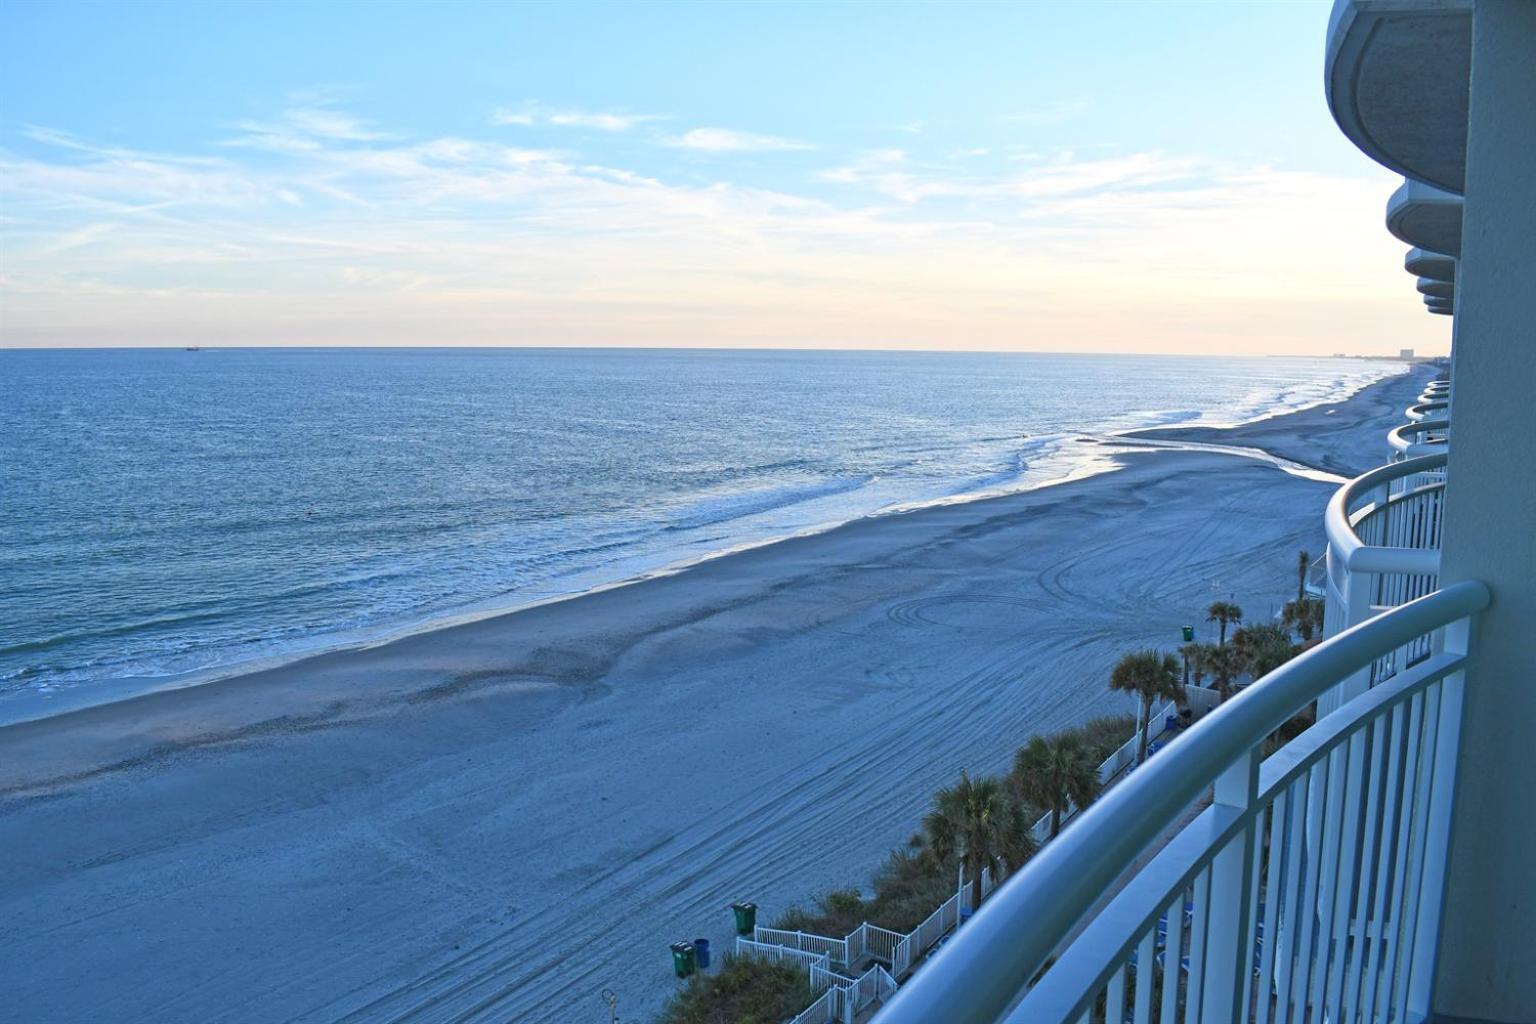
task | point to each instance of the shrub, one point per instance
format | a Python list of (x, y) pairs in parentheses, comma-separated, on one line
[(1105, 735), (743, 991)]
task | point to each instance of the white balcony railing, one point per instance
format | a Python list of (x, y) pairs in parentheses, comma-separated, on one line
[(1425, 437), (1308, 890), (1425, 410), (1383, 533)]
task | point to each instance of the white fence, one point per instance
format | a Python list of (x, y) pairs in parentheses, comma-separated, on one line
[(839, 997), (805, 942), (843, 998), (768, 951), (822, 1011), (873, 942)]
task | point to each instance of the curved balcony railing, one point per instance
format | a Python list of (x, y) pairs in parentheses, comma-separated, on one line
[(1383, 532), (1426, 437), (1424, 410), (1308, 889)]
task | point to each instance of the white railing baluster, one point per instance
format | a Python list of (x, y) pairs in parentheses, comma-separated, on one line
[(1415, 890), (1144, 964), (1308, 792), (1345, 858), (1237, 787), (1114, 997), (1257, 883), (1282, 856), (1173, 944), (1411, 814), (1314, 962), (1199, 925), (1437, 827)]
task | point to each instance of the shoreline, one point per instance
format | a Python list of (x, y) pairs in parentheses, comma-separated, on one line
[(1117, 450), (498, 820), (25, 707)]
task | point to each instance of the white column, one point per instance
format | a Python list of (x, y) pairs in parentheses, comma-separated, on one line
[(1488, 930)]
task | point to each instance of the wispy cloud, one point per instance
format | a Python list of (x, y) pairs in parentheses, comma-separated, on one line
[(605, 121), (304, 128), (724, 140), (321, 227)]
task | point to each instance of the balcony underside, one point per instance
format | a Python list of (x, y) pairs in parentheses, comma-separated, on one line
[(1396, 76)]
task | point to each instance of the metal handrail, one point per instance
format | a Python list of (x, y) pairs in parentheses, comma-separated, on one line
[(1423, 409), (1357, 555), (1398, 437), (978, 975)]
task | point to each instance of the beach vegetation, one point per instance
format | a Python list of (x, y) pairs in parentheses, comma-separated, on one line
[(1222, 665), (1149, 675), (1261, 648), (1103, 735), (742, 991), (909, 884), (1224, 614), (1056, 772), (981, 824), (1304, 616)]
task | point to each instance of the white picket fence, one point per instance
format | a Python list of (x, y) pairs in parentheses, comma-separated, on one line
[(839, 950), (869, 941), (822, 1011), (769, 951), (842, 998)]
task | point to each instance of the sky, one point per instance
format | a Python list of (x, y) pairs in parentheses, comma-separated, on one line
[(1126, 177)]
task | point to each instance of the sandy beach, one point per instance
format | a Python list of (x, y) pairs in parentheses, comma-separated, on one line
[(498, 820)]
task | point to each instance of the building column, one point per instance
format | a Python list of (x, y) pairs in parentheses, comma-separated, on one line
[(1486, 970)]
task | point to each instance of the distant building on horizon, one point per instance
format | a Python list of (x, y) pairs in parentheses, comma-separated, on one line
[(1405, 353)]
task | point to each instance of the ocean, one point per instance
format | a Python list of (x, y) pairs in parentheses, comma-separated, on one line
[(168, 515)]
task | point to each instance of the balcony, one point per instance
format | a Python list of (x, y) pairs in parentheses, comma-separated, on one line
[(1421, 437), (1423, 410), (1306, 888)]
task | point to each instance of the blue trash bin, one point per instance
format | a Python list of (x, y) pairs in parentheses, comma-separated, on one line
[(701, 952)]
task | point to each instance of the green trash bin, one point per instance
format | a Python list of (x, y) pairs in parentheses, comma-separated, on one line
[(746, 917), (683, 962)]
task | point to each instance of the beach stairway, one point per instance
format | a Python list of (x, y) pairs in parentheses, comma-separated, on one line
[(851, 977)]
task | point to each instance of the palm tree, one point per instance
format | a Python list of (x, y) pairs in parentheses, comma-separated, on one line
[(1260, 649), (1149, 675), (1194, 656), (1222, 664), (1304, 615), (1303, 563), (1056, 772), (978, 821), (1223, 612)]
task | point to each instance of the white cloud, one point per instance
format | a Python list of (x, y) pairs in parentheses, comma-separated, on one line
[(511, 117), (605, 121), (724, 140), (602, 122), (341, 234), (305, 128)]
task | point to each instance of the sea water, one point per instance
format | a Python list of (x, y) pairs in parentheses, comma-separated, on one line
[(172, 515)]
